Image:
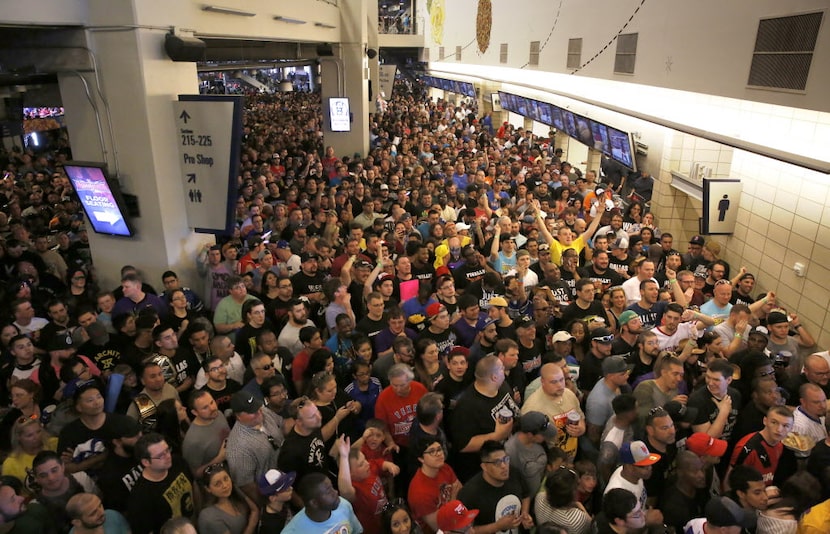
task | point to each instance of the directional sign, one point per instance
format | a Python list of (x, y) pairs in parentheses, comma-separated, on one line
[(208, 135)]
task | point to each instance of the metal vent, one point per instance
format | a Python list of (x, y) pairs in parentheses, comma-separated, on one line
[(458, 53), (626, 53), (503, 53), (534, 53), (784, 50), (574, 53), (441, 54)]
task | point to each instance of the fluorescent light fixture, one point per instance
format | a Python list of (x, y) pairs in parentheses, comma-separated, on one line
[(324, 25), (228, 11), (288, 20)]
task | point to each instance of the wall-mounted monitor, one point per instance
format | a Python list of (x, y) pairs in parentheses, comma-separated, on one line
[(621, 147), (558, 123), (100, 197), (522, 106), (600, 134), (570, 123), (545, 113), (339, 114)]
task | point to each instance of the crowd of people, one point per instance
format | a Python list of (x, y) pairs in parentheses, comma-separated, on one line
[(459, 331)]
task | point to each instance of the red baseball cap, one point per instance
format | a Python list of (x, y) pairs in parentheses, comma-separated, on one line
[(703, 444), (455, 516)]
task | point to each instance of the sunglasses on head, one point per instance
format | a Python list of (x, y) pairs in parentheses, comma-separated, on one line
[(604, 339)]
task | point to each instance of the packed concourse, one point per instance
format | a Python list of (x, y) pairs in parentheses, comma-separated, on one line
[(459, 331)]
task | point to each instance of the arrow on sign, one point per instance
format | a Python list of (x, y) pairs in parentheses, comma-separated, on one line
[(106, 216), (191, 178), (184, 116)]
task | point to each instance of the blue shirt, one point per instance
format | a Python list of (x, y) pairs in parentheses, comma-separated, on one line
[(341, 521)]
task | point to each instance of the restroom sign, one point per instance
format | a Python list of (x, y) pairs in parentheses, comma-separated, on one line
[(721, 200)]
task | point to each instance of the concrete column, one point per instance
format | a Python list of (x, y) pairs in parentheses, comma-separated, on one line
[(139, 83), (346, 74)]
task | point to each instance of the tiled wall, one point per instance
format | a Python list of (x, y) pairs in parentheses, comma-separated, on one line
[(784, 218)]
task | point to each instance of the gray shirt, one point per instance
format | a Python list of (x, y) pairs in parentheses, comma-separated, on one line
[(530, 460), (202, 443)]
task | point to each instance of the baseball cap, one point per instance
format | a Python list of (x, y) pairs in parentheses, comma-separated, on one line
[(760, 330), (382, 277), (282, 243), (434, 309), (275, 481), (680, 413), (602, 335), (777, 317), (562, 335), (60, 341), (363, 264), (455, 516), (544, 247), (498, 301), (537, 423), (703, 444), (307, 256), (242, 401), (697, 240), (405, 217), (384, 187), (461, 226), (626, 316), (525, 322), (615, 364), (723, 512), (92, 383), (620, 242), (636, 453), (482, 324)]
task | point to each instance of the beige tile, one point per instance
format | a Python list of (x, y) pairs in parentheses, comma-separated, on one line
[(815, 191), (752, 255), (818, 293), (821, 255), (804, 227), (810, 209), (785, 200), (801, 245), (783, 217), (776, 233), (762, 207)]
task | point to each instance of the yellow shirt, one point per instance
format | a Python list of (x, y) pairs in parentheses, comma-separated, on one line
[(558, 412), (16, 465), (816, 520), (557, 248)]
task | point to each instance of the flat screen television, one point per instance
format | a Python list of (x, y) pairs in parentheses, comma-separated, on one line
[(570, 123), (533, 109), (339, 114), (506, 101), (100, 197), (521, 106), (545, 113), (600, 133), (469, 90), (558, 123), (621, 148)]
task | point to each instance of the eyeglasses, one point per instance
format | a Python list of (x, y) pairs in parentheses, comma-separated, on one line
[(215, 468), (215, 368), (722, 282), (604, 339), (435, 452), (267, 367), (504, 460), (166, 452)]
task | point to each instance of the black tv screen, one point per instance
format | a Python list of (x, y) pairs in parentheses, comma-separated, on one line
[(100, 198)]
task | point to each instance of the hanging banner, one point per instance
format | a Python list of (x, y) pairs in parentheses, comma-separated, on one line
[(386, 79)]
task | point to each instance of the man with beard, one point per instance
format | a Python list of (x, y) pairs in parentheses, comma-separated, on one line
[(680, 326), (121, 470), (471, 270), (183, 362), (600, 273), (297, 319), (630, 327), (486, 341), (156, 390), (87, 515), (660, 439), (672, 262), (308, 282), (204, 443), (663, 388), (686, 498), (18, 516)]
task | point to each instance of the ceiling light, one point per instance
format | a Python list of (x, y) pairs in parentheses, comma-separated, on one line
[(228, 11), (288, 20)]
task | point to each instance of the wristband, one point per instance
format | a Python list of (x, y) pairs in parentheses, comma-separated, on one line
[(738, 336), (673, 281), (797, 326)]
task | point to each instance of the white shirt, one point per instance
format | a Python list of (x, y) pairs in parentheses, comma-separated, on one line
[(684, 331), (236, 372), (807, 426)]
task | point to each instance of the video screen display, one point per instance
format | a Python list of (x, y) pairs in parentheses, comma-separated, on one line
[(545, 113), (620, 147), (570, 123), (558, 123), (600, 134), (100, 199), (339, 115), (521, 106)]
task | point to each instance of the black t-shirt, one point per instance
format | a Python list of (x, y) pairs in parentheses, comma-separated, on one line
[(86, 443), (620, 266), (445, 340), (356, 296), (305, 284), (223, 396), (737, 298), (590, 371), (475, 414), (465, 274), (650, 317), (570, 282), (370, 327), (661, 471), (530, 360), (304, 454), (185, 364), (574, 311), (484, 294), (117, 479), (494, 502), (608, 278), (105, 356), (151, 504), (423, 273), (246, 340), (707, 412), (679, 508)]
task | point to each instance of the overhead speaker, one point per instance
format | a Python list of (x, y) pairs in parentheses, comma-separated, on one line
[(371, 53), (182, 48), (325, 49)]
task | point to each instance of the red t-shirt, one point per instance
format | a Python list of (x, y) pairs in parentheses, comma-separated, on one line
[(427, 495), (754, 451), (370, 498), (399, 412)]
